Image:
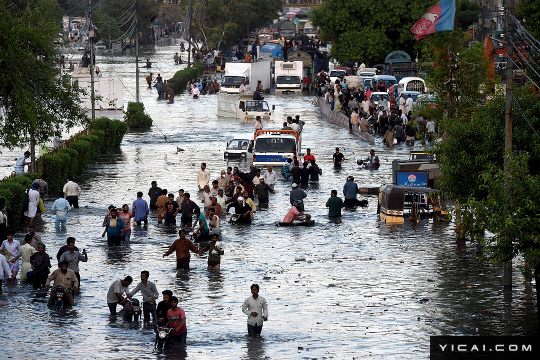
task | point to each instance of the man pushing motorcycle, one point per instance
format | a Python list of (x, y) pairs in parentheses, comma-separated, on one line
[(67, 279)]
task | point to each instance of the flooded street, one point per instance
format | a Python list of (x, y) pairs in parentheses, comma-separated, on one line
[(355, 289)]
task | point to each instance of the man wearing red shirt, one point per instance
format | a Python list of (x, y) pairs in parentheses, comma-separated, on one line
[(308, 157), (177, 321)]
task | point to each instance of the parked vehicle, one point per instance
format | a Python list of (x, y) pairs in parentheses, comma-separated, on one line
[(273, 147), (240, 146), (132, 310), (335, 74), (395, 202), (378, 96), (236, 72), (414, 95), (288, 76), (411, 83), (388, 80)]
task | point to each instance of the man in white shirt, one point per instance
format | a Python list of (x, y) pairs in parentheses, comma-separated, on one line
[(221, 199), (21, 162), (365, 105), (203, 177), (408, 104), (256, 310), (295, 127), (72, 191), (116, 290), (270, 177), (244, 88), (402, 104)]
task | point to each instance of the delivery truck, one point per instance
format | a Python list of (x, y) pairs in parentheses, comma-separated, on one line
[(237, 72), (288, 76)]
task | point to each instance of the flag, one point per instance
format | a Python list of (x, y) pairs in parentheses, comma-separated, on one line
[(438, 18)]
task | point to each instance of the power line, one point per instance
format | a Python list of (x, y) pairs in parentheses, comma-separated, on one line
[(515, 102)]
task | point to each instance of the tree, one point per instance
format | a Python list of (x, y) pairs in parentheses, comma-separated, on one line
[(35, 101), (220, 23), (366, 31), (529, 11)]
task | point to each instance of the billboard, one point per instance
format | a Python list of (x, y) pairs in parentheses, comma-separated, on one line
[(412, 179)]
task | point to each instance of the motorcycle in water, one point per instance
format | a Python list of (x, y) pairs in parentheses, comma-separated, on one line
[(132, 310), (59, 293), (163, 334)]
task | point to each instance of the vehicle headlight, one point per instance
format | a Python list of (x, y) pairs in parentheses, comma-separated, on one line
[(162, 334)]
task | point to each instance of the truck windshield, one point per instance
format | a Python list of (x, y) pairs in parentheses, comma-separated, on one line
[(232, 80), (275, 145), (285, 79), (256, 105)]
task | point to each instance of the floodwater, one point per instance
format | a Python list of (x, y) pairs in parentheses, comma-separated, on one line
[(355, 289)]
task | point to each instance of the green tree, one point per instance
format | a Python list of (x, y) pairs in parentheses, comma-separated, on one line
[(366, 31), (220, 23), (529, 11), (35, 100)]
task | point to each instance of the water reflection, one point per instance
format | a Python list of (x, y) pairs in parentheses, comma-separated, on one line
[(255, 348)]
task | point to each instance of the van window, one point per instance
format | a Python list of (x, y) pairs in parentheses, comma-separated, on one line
[(238, 145)]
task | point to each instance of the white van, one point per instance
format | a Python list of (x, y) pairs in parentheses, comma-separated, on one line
[(411, 83), (240, 146)]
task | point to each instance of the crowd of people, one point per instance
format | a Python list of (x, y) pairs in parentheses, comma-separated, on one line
[(391, 118)]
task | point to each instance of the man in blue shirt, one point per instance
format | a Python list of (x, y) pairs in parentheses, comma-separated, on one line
[(141, 210), (114, 228), (21, 162), (350, 189), (60, 207)]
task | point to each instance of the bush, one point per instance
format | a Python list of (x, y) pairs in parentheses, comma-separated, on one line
[(113, 132), (135, 116), (84, 155), (94, 145), (73, 165), (14, 190), (57, 168), (179, 81)]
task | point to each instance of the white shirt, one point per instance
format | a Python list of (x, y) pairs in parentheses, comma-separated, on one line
[(402, 103), (206, 199), (244, 88), (259, 306), (221, 201), (217, 221), (365, 106), (270, 177), (195, 91), (408, 105), (115, 288), (203, 177), (255, 180), (5, 271), (19, 167), (404, 118), (14, 248), (295, 127), (72, 189)]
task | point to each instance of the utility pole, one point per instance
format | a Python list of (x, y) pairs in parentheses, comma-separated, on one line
[(91, 35), (136, 62), (507, 266)]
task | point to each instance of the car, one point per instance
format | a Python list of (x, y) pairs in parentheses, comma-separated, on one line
[(377, 96), (429, 100), (414, 95), (240, 146), (386, 79), (335, 74)]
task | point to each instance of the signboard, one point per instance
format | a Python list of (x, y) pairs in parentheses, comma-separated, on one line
[(412, 179)]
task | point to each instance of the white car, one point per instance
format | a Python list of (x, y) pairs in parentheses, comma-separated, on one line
[(240, 146)]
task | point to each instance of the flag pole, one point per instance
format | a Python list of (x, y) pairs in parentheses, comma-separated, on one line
[(449, 98)]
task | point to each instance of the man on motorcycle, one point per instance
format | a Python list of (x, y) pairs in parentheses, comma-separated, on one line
[(63, 277), (163, 307)]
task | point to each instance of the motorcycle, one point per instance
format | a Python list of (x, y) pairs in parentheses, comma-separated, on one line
[(163, 334), (60, 293), (132, 310)]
